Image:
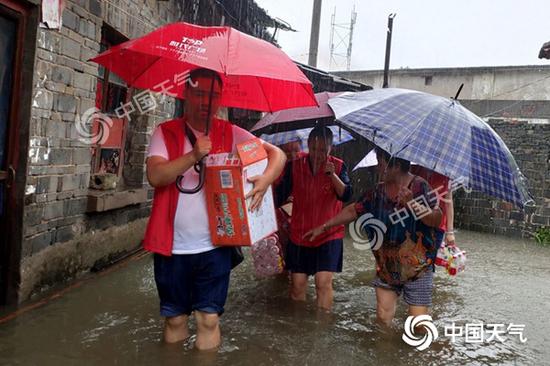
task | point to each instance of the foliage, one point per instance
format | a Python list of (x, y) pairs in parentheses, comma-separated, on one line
[(542, 235)]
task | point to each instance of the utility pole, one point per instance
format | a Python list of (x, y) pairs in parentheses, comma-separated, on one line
[(388, 50), (314, 36)]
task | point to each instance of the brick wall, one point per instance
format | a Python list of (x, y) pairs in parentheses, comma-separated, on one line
[(64, 230), (57, 191), (64, 88), (530, 146)]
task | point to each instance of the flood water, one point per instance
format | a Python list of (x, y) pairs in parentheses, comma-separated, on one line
[(113, 319)]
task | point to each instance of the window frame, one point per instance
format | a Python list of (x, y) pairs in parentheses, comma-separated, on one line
[(110, 37)]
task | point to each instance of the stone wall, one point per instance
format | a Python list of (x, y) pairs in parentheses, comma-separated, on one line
[(530, 146), (68, 227), (60, 207)]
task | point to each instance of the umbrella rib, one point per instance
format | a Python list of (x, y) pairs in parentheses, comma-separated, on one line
[(348, 129), (316, 101), (265, 95), (224, 67), (144, 71)]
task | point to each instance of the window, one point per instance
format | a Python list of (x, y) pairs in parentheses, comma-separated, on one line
[(112, 92), (428, 80)]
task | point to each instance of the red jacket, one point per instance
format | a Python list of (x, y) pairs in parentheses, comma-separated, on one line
[(159, 235), (438, 183), (314, 202)]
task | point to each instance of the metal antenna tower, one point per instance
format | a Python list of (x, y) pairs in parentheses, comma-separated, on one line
[(341, 37)]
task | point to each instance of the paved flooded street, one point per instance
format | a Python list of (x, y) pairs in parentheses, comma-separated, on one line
[(112, 319)]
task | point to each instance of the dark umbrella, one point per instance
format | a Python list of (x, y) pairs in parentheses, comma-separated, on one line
[(545, 51), (297, 118)]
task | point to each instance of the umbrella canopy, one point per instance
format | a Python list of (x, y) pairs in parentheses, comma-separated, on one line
[(437, 133), (340, 136), (289, 117), (256, 75)]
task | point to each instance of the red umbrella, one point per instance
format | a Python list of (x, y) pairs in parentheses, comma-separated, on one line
[(256, 75)]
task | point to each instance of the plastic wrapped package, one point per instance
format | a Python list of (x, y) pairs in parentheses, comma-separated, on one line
[(267, 256), (451, 258)]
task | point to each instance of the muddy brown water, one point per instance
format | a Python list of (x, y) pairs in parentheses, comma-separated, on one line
[(113, 319)]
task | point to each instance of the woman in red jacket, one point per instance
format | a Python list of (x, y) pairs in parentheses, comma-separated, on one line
[(318, 183)]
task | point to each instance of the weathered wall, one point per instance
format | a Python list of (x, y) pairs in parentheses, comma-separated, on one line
[(495, 83), (530, 145), (63, 234), (67, 260), (509, 91), (67, 226)]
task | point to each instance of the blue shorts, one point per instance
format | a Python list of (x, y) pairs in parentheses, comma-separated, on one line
[(310, 260), (188, 282), (417, 292)]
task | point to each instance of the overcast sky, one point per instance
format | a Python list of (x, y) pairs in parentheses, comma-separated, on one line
[(426, 33)]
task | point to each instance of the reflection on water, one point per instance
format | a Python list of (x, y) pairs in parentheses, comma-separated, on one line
[(114, 319)]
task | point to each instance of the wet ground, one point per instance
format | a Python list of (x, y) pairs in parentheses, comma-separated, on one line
[(113, 319)]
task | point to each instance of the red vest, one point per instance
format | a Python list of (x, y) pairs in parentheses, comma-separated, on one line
[(159, 235), (437, 182), (314, 202)]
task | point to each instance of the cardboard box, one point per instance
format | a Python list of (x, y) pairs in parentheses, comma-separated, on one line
[(231, 222)]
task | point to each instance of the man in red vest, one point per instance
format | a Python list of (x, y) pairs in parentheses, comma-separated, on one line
[(318, 183), (190, 273)]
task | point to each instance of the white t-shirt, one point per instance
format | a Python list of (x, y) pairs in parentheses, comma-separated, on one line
[(191, 229)]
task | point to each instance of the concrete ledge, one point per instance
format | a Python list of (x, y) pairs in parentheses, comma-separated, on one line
[(99, 201), (62, 262)]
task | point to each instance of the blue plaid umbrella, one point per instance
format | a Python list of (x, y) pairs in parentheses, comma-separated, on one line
[(281, 138), (437, 133)]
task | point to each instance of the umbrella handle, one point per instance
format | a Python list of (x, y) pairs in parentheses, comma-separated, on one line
[(199, 168)]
